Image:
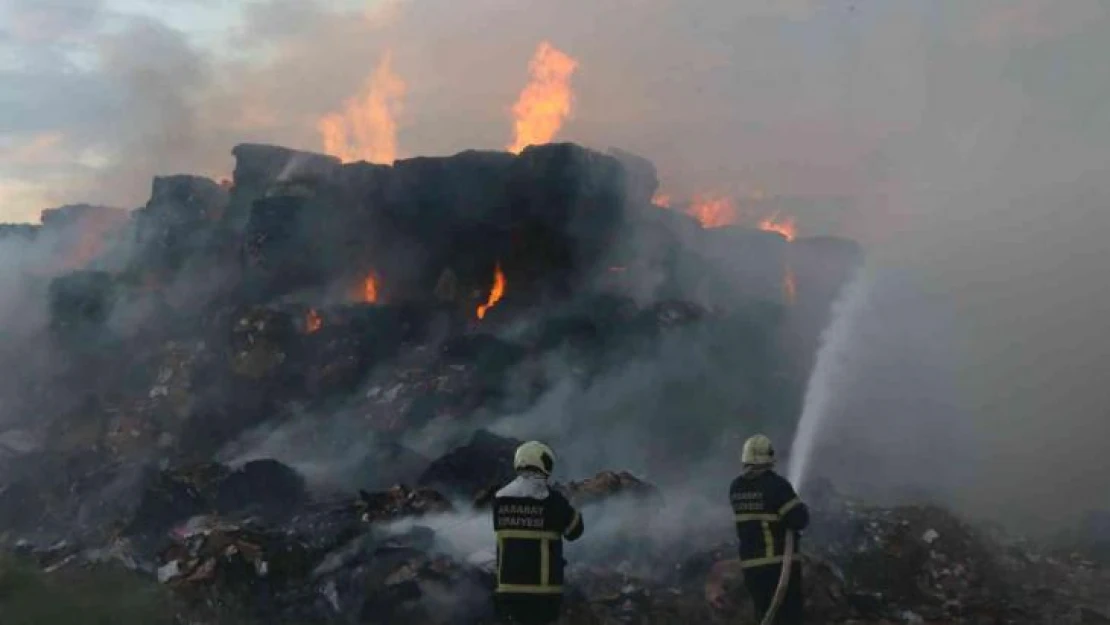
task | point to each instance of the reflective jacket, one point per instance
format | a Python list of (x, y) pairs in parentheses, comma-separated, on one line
[(531, 520), (766, 507)]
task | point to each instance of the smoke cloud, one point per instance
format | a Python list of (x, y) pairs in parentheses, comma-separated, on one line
[(969, 141), (648, 536)]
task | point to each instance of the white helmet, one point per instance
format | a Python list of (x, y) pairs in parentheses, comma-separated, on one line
[(758, 450), (534, 455)]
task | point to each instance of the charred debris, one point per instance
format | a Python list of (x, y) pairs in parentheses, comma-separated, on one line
[(232, 390)]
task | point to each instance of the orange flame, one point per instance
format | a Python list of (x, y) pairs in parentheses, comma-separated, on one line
[(786, 227), (366, 129), (712, 211), (313, 321), (495, 293), (369, 291), (546, 101), (661, 199)]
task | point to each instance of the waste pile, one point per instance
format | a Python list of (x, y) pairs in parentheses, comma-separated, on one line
[(438, 293), (259, 549), (287, 398)]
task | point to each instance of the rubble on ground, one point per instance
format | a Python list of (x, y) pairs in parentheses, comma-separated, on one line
[(400, 501), (609, 484), (309, 291), (347, 558), (485, 462)]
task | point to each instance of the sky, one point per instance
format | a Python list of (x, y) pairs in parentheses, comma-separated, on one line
[(790, 97), (967, 144)]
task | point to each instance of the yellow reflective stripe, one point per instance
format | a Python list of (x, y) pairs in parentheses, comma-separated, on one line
[(544, 538), (768, 541), (530, 589), (545, 563), (746, 564), (574, 523), (788, 506), (527, 535), (766, 517)]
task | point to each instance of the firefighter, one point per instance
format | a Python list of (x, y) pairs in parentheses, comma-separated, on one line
[(531, 519), (766, 508)]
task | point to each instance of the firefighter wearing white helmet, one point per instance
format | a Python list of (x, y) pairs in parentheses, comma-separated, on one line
[(536, 456), (766, 508), (758, 451), (531, 519)]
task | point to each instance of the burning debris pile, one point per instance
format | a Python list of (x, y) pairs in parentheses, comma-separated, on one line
[(436, 288), (249, 542), (270, 395)]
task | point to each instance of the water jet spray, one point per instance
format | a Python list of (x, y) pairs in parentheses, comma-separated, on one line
[(824, 381)]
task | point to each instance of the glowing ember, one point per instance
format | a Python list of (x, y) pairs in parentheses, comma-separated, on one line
[(712, 211), (790, 285), (546, 101), (367, 127), (661, 199), (495, 293), (369, 291), (786, 227), (313, 321)]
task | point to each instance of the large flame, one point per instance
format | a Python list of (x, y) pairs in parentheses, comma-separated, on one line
[(496, 292), (787, 227), (712, 211), (313, 321), (546, 101), (366, 129)]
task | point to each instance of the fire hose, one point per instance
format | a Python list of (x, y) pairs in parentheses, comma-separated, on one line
[(784, 579)]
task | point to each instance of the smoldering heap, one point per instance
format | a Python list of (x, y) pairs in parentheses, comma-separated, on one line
[(335, 314)]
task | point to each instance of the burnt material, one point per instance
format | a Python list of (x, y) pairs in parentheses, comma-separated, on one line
[(485, 461), (326, 315), (176, 224), (274, 248), (81, 301), (266, 487)]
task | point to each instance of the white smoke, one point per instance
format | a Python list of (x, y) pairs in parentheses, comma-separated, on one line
[(644, 534)]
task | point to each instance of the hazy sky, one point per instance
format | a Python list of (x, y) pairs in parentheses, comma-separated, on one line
[(971, 140), (798, 97)]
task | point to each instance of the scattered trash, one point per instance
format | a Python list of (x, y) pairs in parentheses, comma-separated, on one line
[(118, 469)]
